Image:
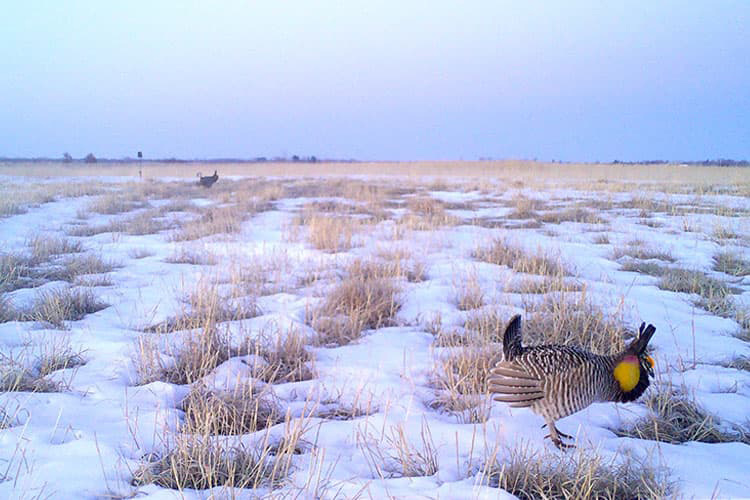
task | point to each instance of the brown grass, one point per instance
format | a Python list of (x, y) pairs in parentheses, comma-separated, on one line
[(359, 302), (677, 418), (572, 318), (29, 370), (504, 253), (531, 474), (56, 307), (397, 456), (244, 409), (732, 263), (638, 249)]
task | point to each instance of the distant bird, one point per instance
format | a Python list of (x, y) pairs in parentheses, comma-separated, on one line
[(209, 180), (556, 381)]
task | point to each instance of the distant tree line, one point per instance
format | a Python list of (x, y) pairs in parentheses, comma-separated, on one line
[(718, 162)]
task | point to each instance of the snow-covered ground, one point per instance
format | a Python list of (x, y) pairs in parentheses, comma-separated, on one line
[(88, 439)]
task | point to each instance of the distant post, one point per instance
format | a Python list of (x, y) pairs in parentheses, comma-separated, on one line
[(140, 164)]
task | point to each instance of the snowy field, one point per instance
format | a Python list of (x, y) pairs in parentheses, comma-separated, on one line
[(299, 337)]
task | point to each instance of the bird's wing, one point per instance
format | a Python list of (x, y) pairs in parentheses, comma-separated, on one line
[(510, 383)]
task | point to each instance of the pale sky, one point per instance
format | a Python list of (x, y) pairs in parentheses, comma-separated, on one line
[(376, 80)]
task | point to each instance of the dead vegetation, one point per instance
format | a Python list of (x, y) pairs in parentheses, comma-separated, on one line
[(530, 474), (57, 306), (31, 368), (361, 301), (504, 253), (675, 417)]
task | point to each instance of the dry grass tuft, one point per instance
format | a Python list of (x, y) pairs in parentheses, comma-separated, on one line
[(572, 214), (504, 253), (43, 247), (715, 295), (468, 293), (29, 370), (116, 203), (204, 307), (188, 256), (286, 357), (731, 263), (397, 456), (245, 409), (201, 463), (638, 249), (360, 302), (194, 358), (63, 304), (582, 475), (213, 220), (332, 234), (644, 267), (677, 418), (571, 318), (601, 239), (15, 272)]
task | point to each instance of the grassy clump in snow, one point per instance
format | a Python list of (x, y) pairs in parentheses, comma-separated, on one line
[(117, 202), (638, 249), (468, 292), (740, 363), (29, 370), (573, 318), (201, 463), (80, 265), (140, 253), (15, 272), (194, 358), (242, 410), (541, 286), (8, 311), (43, 247), (330, 233), (204, 307), (530, 474), (286, 357), (63, 304), (572, 214), (601, 239), (504, 253), (677, 418), (731, 263), (645, 267), (394, 454), (525, 208), (715, 295), (361, 301), (188, 256), (461, 367)]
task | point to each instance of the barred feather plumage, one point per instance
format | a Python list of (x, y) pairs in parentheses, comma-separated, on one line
[(555, 381)]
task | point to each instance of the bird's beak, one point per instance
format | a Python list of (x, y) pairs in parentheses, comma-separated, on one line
[(650, 365)]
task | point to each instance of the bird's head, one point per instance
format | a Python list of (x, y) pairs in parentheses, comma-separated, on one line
[(634, 366)]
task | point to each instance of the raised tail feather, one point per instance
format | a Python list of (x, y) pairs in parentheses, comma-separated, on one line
[(512, 346)]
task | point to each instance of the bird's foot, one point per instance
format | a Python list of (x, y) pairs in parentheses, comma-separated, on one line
[(559, 433), (559, 442)]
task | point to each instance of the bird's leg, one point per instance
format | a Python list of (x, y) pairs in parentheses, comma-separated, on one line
[(555, 434), (559, 432)]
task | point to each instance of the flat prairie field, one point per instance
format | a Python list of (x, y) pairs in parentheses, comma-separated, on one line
[(325, 330)]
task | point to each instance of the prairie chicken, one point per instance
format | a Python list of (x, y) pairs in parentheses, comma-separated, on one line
[(208, 181), (556, 381)]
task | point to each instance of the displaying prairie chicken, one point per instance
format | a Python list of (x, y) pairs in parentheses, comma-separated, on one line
[(556, 381)]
